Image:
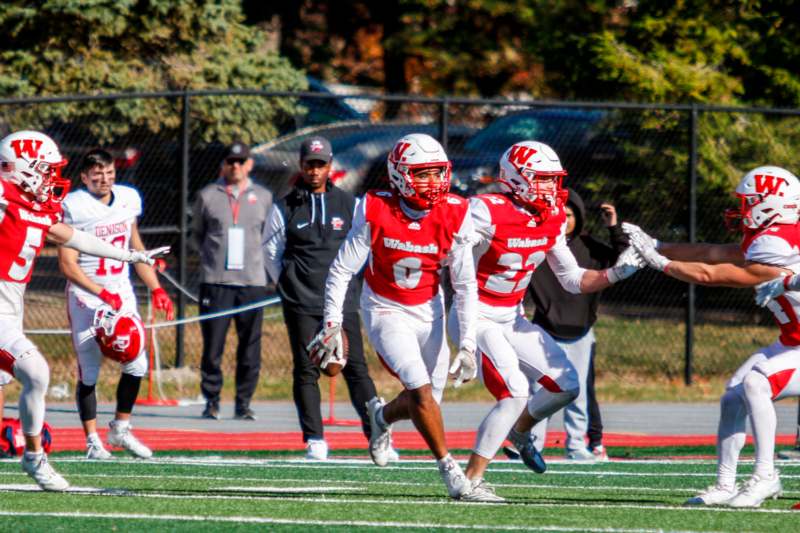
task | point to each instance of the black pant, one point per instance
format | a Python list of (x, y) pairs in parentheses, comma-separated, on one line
[(302, 328), (215, 298), (595, 429)]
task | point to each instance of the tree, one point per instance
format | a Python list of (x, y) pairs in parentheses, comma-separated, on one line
[(113, 46)]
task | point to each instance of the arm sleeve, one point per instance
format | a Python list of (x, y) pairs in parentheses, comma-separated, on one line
[(462, 278), (273, 242), (565, 266), (89, 244), (352, 255)]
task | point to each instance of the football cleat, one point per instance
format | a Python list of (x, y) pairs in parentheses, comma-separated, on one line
[(525, 445), (757, 489), (454, 479), (95, 450), (600, 454), (481, 492), (122, 437), (380, 440), (316, 450), (393, 455), (43, 474), (581, 455), (714, 495)]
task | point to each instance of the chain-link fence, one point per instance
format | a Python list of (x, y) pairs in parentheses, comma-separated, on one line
[(670, 169)]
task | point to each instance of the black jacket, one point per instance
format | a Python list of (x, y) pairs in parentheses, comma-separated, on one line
[(565, 315), (315, 225)]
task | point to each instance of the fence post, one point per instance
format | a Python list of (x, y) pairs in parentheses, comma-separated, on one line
[(183, 224), (690, 297), (444, 111)]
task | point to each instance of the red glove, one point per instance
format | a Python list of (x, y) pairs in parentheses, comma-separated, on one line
[(111, 298), (162, 302)]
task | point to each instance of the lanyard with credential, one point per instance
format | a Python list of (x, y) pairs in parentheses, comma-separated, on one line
[(235, 255), (234, 202)]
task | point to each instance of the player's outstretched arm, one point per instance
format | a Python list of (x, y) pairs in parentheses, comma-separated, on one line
[(692, 252), (70, 237)]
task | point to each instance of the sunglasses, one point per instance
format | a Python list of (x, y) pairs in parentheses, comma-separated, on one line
[(233, 160)]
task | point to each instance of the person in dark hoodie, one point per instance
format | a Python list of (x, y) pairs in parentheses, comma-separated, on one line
[(304, 231), (569, 318)]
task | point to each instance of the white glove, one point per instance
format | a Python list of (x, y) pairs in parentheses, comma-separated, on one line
[(769, 290), (464, 367), (628, 263), (145, 256), (630, 229), (327, 346), (643, 244)]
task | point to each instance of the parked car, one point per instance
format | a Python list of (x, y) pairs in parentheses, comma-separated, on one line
[(359, 153), (581, 138), (317, 111)]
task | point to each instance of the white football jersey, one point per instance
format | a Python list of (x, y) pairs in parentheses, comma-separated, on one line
[(112, 223)]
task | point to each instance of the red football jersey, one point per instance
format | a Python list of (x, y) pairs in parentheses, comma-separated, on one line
[(517, 247), (24, 224), (406, 254), (786, 307)]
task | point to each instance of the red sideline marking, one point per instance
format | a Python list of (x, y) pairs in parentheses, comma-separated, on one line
[(72, 439)]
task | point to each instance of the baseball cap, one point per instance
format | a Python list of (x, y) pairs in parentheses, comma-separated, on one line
[(238, 149), (316, 149)]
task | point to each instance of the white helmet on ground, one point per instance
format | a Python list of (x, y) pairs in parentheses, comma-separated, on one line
[(33, 161), (769, 195), (412, 153), (532, 172)]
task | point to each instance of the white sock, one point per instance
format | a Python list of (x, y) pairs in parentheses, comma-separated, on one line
[(445, 460), (496, 425), (32, 456), (730, 435), (758, 394), (122, 425), (92, 438)]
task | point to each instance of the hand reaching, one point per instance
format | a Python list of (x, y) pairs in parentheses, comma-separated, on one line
[(464, 367)]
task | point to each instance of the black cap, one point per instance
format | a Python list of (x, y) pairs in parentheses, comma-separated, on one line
[(316, 149), (238, 150)]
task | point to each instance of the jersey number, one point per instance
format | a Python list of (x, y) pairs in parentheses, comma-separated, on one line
[(407, 272), (503, 282), (778, 311), (34, 238), (119, 242)]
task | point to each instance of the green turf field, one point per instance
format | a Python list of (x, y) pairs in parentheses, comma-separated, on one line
[(232, 493)]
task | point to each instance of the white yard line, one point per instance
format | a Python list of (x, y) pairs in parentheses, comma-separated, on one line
[(320, 500), (350, 523)]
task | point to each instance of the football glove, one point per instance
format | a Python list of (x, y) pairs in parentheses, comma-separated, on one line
[(464, 367), (644, 246), (629, 229), (145, 256), (111, 298), (327, 346), (162, 302), (628, 263), (769, 290)]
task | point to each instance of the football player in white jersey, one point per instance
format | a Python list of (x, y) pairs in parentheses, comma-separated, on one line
[(519, 362), (109, 211), (768, 216), (31, 190), (405, 236)]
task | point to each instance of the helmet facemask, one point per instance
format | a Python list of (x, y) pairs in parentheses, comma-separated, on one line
[(411, 156), (425, 187)]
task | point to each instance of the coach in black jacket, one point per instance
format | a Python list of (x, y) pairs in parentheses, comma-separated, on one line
[(569, 319), (305, 229)]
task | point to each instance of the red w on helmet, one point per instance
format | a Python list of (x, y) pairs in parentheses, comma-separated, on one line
[(120, 334)]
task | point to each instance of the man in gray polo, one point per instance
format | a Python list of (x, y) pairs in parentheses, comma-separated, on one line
[(229, 219)]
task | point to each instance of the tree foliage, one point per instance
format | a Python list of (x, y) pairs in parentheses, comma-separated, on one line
[(116, 46)]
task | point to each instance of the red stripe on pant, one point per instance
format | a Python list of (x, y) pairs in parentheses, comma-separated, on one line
[(7, 362), (492, 379), (778, 381)]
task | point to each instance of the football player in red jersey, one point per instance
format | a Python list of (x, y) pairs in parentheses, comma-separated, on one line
[(768, 216), (31, 189), (520, 363), (405, 236)]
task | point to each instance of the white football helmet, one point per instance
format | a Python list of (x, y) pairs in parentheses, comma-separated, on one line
[(120, 334), (532, 172), (769, 195), (33, 161), (414, 152)]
